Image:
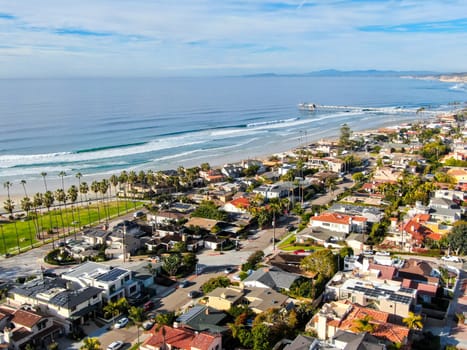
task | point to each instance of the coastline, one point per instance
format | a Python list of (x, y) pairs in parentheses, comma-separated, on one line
[(34, 186)]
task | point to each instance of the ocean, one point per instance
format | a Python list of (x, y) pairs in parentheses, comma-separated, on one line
[(103, 126)]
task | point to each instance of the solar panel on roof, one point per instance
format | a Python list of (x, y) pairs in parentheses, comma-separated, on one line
[(111, 275)]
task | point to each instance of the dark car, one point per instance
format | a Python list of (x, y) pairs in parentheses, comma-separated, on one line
[(148, 306), (194, 294)]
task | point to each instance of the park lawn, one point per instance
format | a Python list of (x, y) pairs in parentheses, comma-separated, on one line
[(66, 222)]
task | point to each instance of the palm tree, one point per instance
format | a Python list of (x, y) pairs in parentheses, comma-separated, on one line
[(48, 201), (79, 176), (103, 187), (123, 179), (276, 207), (9, 207), (26, 205), (95, 189), (132, 178), (84, 189), (37, 203), (62, 174), (73, 195), (136, 314), (413, 321), (363, 324), (114, 182), (44, 174), (60, 196), (91, 344)]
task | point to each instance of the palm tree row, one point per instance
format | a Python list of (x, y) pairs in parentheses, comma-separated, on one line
[(60, 198)]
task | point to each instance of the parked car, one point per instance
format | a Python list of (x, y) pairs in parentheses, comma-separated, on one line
[(148, 306), (183, 284), (228, 270), (299, 251), (383, 253), (194, 294), (147, 325), (121, 323), (450, 258), (138, 214), (368, 252), (115, 345)]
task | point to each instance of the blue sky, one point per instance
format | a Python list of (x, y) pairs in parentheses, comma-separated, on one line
[(55, 38)]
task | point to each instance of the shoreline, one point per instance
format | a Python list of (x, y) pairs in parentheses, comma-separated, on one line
[(37, 185)]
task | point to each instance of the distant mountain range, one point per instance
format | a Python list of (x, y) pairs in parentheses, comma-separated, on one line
[(352, 73)]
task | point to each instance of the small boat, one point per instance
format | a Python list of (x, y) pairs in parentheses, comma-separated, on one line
[(306, 106)]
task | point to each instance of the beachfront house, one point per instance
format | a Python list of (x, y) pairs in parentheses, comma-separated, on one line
[(115, 282), (71, 303)]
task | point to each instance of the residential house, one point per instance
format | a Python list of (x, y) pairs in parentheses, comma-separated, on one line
[(277, 190), (332, 164), (238, 205), (270, 277), (225, 298), (214, 242), (287, 262), (367, 289), (69, 302), (303, 342), (30, 327), (201, 318), (443, 209), (115, 282), (339, 222), (181, 338), (233, 171), (262, 299), (206, 224), (345, 340), (337, 316), (372, 214), (166, 217), (387, 175), (458, 174), (211, 175), (95, 236)]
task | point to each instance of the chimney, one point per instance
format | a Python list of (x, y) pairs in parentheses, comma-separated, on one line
[(322, 326), (207, 311)]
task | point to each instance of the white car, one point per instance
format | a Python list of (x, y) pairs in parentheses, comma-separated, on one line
[(383, 253), (121, 323), (450, 258), (115, 345)]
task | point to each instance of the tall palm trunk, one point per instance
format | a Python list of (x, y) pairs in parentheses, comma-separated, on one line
[(10, 207), (3, 239)]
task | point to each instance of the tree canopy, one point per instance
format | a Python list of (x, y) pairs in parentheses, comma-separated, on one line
[(208, 210), (457, 239)]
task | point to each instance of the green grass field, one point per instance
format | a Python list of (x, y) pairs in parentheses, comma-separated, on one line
[(65, 221), (288, 245)]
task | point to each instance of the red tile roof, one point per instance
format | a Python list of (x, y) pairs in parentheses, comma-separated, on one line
[(383, 329), (25, 318), (203, 341), (386, 272), (180, 338), (241, 202), (333, 218)]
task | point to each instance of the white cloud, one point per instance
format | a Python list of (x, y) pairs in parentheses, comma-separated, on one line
[(205, 35)]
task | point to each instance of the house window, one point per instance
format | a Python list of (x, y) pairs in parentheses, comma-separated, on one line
[(112, 289), (133, 290), (127, 278)]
